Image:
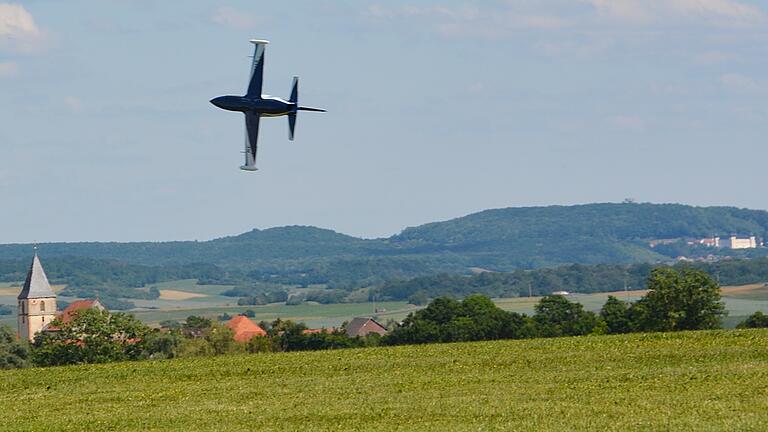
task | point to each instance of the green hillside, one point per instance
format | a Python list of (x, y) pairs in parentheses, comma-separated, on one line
[(500, 240), (702, 381)]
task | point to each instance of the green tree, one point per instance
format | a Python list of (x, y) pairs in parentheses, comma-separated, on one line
[(221, 339), (259, 344), (679, 299), (194, 322), (615, 314), (448, 320), (419, 298), (460, 329), (194, 347), (92, 336), (556, 316), (164, 345), (13, 353), (756, 320), (441, 311), (413, 331)]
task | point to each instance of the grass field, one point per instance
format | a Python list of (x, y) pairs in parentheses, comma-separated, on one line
[(695, 381), (314, 315)]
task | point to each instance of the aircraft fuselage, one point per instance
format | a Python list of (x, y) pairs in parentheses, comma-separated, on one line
[(267, 106)]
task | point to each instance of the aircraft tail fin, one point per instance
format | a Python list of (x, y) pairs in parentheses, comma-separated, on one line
[(291, 124), (294, 91), (294, 99)]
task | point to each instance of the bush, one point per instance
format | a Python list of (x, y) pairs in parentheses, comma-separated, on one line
[(756, 320), (13, 353)]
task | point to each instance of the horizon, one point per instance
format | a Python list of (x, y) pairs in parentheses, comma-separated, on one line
[(436, 109), (35, 244)]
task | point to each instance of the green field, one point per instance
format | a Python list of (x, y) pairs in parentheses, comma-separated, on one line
[(314, 315), (695, 381)]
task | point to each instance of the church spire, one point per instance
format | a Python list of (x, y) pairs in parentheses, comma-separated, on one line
[(36, 285)]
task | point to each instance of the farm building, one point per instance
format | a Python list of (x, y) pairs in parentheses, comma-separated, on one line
[(363, 326), (244, 328)]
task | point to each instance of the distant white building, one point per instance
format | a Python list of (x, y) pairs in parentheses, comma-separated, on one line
[(732, 242)]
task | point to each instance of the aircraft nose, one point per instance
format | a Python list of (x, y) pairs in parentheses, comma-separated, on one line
[(216, 101)]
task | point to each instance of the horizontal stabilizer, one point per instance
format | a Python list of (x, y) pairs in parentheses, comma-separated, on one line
[(311, 109)]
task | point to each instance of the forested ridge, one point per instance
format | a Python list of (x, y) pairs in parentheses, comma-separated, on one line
[(505, 241)]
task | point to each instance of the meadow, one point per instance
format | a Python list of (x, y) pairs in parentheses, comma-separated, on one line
[(693, 381)]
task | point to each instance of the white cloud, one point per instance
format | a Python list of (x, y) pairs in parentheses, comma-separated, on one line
[(469, 20), (18, 31), (231, 17), (8, 69), (720, 12), (735, 81)]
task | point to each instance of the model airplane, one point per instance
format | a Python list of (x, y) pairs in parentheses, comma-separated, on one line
[(256, 105)]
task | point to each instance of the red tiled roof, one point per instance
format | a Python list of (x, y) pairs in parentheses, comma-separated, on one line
[(244, 328), (68, 313)]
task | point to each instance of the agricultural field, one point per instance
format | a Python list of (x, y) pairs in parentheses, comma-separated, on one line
[(179, 299), (691, 381), (740, 301), (314, 315)]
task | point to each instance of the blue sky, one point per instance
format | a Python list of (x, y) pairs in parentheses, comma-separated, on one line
[(436, 110)]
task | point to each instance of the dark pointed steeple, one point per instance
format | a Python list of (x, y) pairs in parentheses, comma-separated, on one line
[(36, 285)]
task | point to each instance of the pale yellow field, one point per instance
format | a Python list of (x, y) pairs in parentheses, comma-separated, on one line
[(179, 295)]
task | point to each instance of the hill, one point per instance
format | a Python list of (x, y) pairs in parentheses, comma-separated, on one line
[(682, 381), (500, 240), (532, 237)]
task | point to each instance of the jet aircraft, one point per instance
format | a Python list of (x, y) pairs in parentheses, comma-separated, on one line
[(256, 105)]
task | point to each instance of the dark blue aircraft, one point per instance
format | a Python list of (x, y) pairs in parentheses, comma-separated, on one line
[(256, 105)]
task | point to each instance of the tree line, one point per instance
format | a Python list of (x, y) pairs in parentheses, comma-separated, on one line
[(117, 283), (677, 300)]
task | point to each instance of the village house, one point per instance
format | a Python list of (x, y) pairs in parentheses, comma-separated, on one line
[(244, 329), (362, 326)]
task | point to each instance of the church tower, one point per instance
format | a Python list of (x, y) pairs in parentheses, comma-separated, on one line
[(37, 302)]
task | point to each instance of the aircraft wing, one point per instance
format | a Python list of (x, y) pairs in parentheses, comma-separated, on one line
[(251, 140), (257, 69)]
